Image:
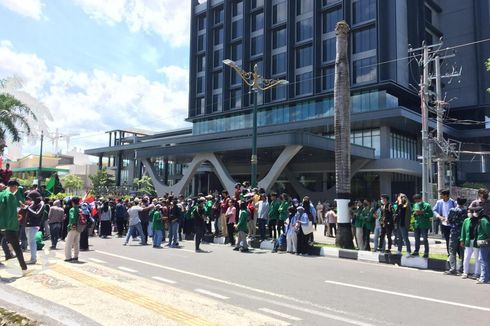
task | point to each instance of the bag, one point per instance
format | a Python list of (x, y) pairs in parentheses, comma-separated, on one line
[(482, 243), (82, 223), (307, 229)]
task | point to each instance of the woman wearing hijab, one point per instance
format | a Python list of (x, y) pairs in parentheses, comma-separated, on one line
[(105, 214), (301, 222)]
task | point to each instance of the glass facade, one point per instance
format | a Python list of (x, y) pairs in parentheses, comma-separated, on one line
[(306, 110), (403, 147)]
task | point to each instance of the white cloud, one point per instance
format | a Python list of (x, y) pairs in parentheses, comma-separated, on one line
[(170, 19), (97, 101), (28, 8)]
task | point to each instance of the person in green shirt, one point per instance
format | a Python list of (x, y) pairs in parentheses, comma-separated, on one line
[(482, 239), (283, 212), (274, 216), (157, 226), (242, 228), (368, 224), (73, 238), (423, 213), (9, 206), (358, 224)]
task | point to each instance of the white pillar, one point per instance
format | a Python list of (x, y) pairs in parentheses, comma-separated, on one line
[(343, 214)]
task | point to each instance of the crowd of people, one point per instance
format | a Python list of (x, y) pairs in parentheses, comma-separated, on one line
[(248, 213)]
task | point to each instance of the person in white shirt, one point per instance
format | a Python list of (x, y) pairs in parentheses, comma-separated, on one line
[(135, 222), (262, 208), (441, 213)]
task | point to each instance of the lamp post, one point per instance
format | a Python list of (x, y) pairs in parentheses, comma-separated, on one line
[(257, 83), (40, 168)]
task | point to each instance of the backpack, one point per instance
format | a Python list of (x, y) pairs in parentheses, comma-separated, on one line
[(82, 222)]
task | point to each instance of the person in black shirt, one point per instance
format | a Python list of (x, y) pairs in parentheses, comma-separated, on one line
[(386, 223), (198, 215)]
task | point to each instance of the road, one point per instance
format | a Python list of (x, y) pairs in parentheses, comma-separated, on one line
[(303, 290)]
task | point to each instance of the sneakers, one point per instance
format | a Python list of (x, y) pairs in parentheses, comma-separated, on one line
[(26, 272), (426, 256), (450, 272), (464, 276), (31, 262), (68, 260), (236, 249), (481, 282), (408, 255)]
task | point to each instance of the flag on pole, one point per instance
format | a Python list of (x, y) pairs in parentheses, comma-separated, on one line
[(51, 183)]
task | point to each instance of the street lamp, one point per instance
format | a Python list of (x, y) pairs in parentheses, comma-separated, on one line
[(256, 83)]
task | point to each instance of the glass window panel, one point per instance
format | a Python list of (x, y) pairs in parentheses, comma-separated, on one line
[(279, 63), (279, 12), (236, 52), (279, 38), (363, 10), (201, 63), (200, 85), (304, 83), (330, 20), (218, 58), (217, 80), (201, 23), (218, 36), (201, 42), (328, 78), (257, 45), (304, 6), (236, 99), (237, 29), (304, 29), (329, 49), (257, 21), (218, 15), (365, 70), (278, 92), (237, 8), (365, 40), (217, 103), (257, 3), (304, 57)]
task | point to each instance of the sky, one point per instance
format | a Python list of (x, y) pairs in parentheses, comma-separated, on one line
[(97, 65)]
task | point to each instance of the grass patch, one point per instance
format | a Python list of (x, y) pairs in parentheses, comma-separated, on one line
[(9, 318), (324, 245)]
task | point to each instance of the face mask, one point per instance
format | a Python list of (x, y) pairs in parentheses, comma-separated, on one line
[(470, 215), (475, 214)]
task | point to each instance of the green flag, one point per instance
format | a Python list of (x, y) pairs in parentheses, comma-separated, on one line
[(51, 183)]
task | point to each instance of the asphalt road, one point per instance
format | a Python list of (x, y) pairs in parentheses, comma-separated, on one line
[(304, 290)]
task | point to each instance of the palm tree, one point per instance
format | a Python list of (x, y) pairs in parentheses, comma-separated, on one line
[(342, 137), (13, 119)]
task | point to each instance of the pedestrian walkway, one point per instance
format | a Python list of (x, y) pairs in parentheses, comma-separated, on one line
[(110, 297)]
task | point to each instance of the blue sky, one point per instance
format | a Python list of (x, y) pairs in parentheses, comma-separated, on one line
[(99, 58)]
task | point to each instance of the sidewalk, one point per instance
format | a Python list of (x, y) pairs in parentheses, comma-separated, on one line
[(110, 297)]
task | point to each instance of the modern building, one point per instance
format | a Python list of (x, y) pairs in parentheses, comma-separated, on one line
[(295, 40)]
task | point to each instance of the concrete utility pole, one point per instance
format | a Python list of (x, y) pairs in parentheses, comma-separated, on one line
[(441, 167), (426, 164), (39, 171)]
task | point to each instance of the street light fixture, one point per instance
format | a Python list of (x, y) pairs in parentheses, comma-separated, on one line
[(257, 83)]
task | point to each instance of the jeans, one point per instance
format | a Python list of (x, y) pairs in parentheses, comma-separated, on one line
[(138, 228), (262, 223), (13, 238), (485, 264), (424, 233), (468, 252), (292, 242), (23, 237), (446, 231), (31, 240), (377, 232), (403, 238), (386, 232), (54, 230), (435, 225), (172, 234), (157, 238), (242, 240), (455, 249), (72, 240)]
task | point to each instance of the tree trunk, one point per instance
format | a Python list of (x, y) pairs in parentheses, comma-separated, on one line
[(342, 137)]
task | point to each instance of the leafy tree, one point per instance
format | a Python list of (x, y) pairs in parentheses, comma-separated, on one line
[(145, 185), (101, 179), (72, 182), (488, 69), (13, 118), (26, 183)]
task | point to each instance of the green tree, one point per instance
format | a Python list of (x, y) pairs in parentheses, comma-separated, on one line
[(101, 179), (145, 185), (13, 119), (488, 69), (72, 182)]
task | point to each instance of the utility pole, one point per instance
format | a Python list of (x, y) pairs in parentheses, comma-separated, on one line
[(39, 177), (441, 162), (426, 164)]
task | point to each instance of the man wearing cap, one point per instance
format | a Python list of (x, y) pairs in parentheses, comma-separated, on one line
[(9, 206)]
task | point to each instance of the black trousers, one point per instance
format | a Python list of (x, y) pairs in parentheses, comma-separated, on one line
[(366, 234), (199, 229), (84, 240), (303, 246), (386, 231), (446, 232), (231, 236), (120, 227), (144, 225), (12, 237), (272, 228), (333, 229)]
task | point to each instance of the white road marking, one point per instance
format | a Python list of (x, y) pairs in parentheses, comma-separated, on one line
[(211, 294), (298, 303), (409, 296), (161, 279), (279, 314), (95, 260), (127, 269)]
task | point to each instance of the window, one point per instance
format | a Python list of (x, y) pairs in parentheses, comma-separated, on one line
[(234, 77), (237, 29), (200, 107), (329, 2), (428, 14), (363, 10), (365, 40), (201, 23), (217, 80), (330, 20), (403, 147), (201, 42), (304, 6), (217, 103), (218, 58), (329, 47), (200, 85), (257, 21), (257, 3), (218, 36), (218, 16), (201, 63), (279, 12), (236, 52), (279, 38), (236, 99), (257, 46), (304, 29), (279, 63), (328, 78), (304, 57), (304, 83), (279, 92), (365, 70), (237, 8)]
